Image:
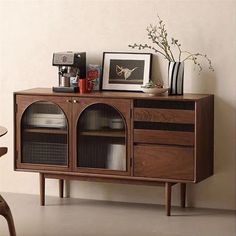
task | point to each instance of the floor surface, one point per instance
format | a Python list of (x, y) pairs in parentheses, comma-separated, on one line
[(77, 217)]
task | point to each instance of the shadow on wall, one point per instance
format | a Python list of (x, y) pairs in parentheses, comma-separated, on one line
[(224, 148), (205, 82), (156, 74)]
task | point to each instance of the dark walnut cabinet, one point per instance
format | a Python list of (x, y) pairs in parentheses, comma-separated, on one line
[(119, 137)]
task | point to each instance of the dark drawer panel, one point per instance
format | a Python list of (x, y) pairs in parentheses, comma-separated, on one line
[(165, 162), (181, 105), (163, 137), (164, 115)]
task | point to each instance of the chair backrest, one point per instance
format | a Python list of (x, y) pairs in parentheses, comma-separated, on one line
[(3, 150)]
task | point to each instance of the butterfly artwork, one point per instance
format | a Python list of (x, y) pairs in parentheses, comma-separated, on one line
[(121, 71)]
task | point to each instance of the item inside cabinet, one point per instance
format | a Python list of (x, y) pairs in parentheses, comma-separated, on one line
[(44, 114), (116, 157)]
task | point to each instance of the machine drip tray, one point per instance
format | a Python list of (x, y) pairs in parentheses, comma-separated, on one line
[(65, 89)]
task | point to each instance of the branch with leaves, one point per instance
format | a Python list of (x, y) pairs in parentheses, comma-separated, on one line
[(159, 38)]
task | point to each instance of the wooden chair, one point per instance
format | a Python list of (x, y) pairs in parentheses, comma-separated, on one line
[(4, 208)]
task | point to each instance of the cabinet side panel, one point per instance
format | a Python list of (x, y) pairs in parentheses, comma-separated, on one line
[(14, 125), (17, 120), (204, 146)]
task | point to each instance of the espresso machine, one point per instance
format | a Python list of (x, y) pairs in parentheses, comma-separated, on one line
[(71, 68)]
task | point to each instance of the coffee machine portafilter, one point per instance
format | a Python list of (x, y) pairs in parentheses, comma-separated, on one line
[(71, 68)]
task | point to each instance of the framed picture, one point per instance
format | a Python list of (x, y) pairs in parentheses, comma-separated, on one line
[(126, 71)]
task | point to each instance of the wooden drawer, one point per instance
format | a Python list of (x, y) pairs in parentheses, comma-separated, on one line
[(165, 162), (164, 115), (164, 137)]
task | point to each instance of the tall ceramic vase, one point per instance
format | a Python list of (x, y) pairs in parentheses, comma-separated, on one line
[(176, 78)]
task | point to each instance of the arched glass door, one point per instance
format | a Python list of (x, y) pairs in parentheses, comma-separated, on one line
[(101, 133), (44, 135)]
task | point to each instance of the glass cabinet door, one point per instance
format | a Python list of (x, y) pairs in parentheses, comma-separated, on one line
[(101, 137), (44, 135)]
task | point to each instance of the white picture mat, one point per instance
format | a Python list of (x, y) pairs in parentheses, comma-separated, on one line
[(125, 56)]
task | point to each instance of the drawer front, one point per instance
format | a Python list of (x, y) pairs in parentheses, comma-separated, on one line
[(164, 115), (165, 162), (163, 137)]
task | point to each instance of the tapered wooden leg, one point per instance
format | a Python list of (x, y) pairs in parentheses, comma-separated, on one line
[(42, 189), (61, 188), (67, 188), (10, 223), (183, 195), (6, 212), (168, 198)]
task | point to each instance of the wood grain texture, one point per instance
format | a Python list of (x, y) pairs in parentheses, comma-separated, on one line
[(155, 156), (163, 137), (123, 108), (106, 177), (4, 208), (182, 195), (3, 151), (3, 131), (6, 213), (108, 94), (204, 141), (61, 188), (168, 198), (99, 178), (169, 162), (23, 102), (164, 115), (42, 188)]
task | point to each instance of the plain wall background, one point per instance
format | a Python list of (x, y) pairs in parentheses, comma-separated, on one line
[(31, 30)]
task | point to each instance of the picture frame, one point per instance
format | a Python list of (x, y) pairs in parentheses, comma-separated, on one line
[(125, 71)]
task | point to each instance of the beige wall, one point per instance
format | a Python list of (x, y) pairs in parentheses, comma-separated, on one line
[(31, 30)]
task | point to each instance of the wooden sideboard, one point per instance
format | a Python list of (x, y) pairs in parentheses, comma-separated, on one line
[(118, 137)]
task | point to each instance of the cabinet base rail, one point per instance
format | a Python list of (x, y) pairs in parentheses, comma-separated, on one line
[(167, 185)]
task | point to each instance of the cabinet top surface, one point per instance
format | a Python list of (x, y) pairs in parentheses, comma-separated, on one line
[(112, 94)]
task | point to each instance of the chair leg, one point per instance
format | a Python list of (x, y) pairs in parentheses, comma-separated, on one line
[(61, 188), (168, 198), (183, 194), (6, 213), (10, 222), (42, 189)]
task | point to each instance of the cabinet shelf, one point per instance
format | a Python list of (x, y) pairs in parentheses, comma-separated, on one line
[(45, 131), (104, 133)]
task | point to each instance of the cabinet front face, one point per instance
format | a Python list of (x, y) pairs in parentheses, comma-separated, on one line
[(42, 133), (166, 162), (164, 139), (102, 136)]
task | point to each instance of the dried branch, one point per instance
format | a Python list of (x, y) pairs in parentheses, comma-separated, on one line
[(159, 37)]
